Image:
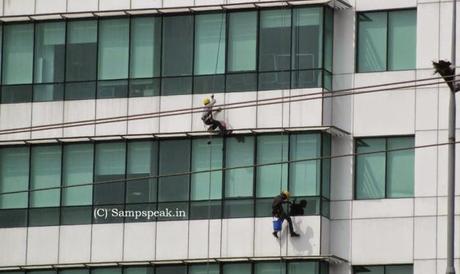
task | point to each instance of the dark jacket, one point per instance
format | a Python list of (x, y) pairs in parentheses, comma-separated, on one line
[(277, 206)]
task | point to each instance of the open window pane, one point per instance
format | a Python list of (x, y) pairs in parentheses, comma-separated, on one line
[(239, 152), (145, 47), (275, 40), (18, 54), (400, 168), (49, 52), (109, 166), (77, 169), (402, 29), (45, 172), (372, 41), (206, 185), (209, 44), (14, 176), (174, 158), (370, 169), (304, 176), (307, 42), (81, 54), (271, 179), (113, 49), (142, 163), (242, 41), (177, 45)]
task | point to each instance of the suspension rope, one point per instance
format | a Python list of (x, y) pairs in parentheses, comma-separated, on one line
[(235, 105)]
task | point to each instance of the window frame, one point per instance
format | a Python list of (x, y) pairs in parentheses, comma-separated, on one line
[(387, 11), (355, 166)]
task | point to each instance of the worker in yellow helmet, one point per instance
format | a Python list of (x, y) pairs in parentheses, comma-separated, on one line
[(278, 212), (208, 116)]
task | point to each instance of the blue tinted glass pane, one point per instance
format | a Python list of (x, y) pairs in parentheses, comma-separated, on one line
[(145, 47), (239, 152), (209, 43), (81, 51), (113, 49), (242, 41), (14, 176), (400, 167), (18, 53), (49, 52)]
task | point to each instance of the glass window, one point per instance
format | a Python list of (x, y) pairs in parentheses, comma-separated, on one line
[(370, 168), (270, 268), (304, 176), (49, 52), (77, 169), (112, 89), (239, 152), (209, 43), (206, 185), (236, 268), (303, 268), (48, 92), (81, 54), (329, 38), (402, 29), (109, 166), (204, 269), (145, 47), (18, 53), (106, 270), (307, 41), (399, 269), (271, 179), (400, 167), (74, 271), (242, 41), (171, 269), (141, 163), (372, 41), (138, 270), (16, 94), (113, 49), (326, 165), (275, 40), (174, 158), (45, 172), (369, 269), (177, 45), (14, 176), (144, 87)]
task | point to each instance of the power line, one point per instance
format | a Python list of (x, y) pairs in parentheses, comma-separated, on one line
[(232, 168), (235, 105)]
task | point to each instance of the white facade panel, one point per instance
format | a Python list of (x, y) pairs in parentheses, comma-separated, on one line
[(107, 242), (73, 113), (13, 116), (114, 4), (82, 5), (264, 242), (238, 237), (42, 245), (177, 3), (139, 106), (341, 210), (425, 266), (201, 243), (382, 241), (427, 34), (426, 109), (424, 242), (325, 236), (364, 5), (75, 244), (50, 6), (341, 238), (144, 4), (309, 242), (274, 115), (46, 114), (425, 206), (241, 118), (342, 169), (172, 240), (383, 208), (176, 123), (139, 241), (306, 112), (108, 108), (17, 7), (13, 247)]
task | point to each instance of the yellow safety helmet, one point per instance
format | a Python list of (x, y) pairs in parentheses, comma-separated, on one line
[(206, 101), (286, 193)]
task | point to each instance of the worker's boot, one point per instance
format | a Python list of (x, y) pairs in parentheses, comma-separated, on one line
[(293, 234), (275, 234)]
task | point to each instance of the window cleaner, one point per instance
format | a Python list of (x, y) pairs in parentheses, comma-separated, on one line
[(279, 213), (208, 117)]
